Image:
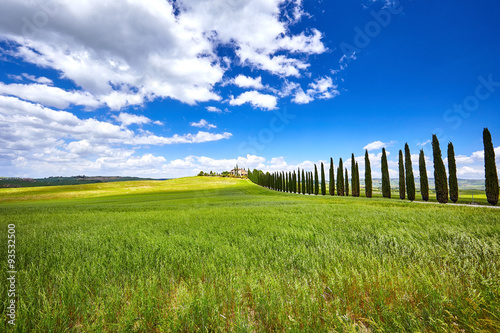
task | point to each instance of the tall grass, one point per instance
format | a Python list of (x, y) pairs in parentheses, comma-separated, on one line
[(231, 256)]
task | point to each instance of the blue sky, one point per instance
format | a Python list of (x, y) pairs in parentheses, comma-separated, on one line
[(166, 89)]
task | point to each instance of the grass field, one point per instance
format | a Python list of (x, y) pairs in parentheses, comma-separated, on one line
[(219, 254)]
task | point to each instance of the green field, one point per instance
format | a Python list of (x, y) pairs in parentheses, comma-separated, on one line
[(219, 254)]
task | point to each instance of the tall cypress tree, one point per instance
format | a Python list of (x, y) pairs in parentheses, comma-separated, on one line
[(316, 180), (353, 176), (452, 170), (402, 189), (346, 183), (490, 169), (410, 179), (298, 181), (368, 176), (340, 178), (424, 181), (323, 180), (386, 182), (311, 183), (358, 189), (307, 183), (331, 182), (287, 183), (439, 172), (303, 182)]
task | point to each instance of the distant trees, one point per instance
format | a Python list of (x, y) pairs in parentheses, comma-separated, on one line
[(368, 176), (300, 181), (439, 172), (452, 171), (331, 182), (340, 178), (386, 182), (346, 182), (490, 169), (402, 188), (410, 179), (424, 181)]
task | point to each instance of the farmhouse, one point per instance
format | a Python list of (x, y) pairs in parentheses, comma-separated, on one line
[(239, 172)]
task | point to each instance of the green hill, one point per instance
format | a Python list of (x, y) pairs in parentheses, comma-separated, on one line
[(221, 254)]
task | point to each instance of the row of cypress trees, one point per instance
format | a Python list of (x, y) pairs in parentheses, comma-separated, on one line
[(311, 183)]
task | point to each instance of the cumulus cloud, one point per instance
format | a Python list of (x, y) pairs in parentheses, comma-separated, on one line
[(60, 140), (320, 88), (158, 49), (48, 95), (213, 109), (127, 119), (375, 145), (256, 99), (248, 82), (41, 79), (202, 124)]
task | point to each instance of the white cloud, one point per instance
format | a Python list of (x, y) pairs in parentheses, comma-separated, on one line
[(256, 99), (56, 141), (41, 80), (422, 144), (301, 97), (321, 88), (378, 145), (158, 51), (213, 109), (48, 95), (127, 119), (248, 82), (203, 124)]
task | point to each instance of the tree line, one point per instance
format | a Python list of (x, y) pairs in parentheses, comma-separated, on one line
[(446, 187)]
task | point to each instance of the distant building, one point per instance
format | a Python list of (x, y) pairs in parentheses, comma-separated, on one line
[(239, 172)]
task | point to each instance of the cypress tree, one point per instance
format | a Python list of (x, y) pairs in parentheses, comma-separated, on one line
[(306, 178), (452, 170), (340, 178), (316, 180), (358, 189), (298, 181), (294, 182), (424, 181), (346, 183), (439, 172), (311, 183), (287, 175), (307, 183), (402, 189), (410, 179), (353, 176), (368, 176), (490, 169), (331, 182), (323, 180), (303, 183), (386, 182)]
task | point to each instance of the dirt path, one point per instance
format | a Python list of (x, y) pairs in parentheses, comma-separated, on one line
[(452, 204)]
